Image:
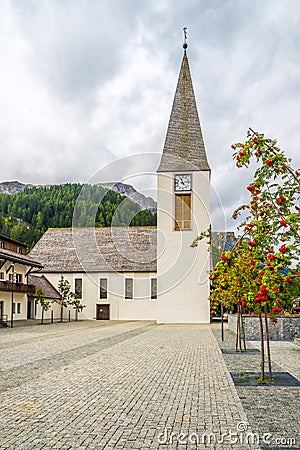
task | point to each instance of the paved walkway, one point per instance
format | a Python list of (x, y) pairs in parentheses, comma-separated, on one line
[(136, 385), (269, 409)]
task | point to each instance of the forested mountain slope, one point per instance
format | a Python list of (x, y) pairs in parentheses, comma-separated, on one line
[(26, 215)]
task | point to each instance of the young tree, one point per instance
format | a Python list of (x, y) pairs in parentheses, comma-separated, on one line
[(256, 276), (78, 306), (40, 299), (67, 296)]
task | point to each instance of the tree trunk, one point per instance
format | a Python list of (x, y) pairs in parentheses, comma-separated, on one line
[(237, 331), (61, 312), (261, 330), (243, 331), (42, 316), (238, 343), (268, 343)]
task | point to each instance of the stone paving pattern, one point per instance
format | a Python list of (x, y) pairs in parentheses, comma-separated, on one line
[(121, 385), (275, 410)]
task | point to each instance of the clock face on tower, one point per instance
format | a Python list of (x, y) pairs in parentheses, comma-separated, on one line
[(183, 182)]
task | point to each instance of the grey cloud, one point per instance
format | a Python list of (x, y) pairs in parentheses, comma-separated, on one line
[(86, 83)]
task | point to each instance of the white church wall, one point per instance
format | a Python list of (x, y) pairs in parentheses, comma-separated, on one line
[(55, 307), (141, 307)]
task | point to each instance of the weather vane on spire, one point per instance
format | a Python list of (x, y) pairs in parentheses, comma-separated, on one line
[(185, 38)]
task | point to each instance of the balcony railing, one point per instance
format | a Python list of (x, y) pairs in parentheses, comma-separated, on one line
[(21, 288)]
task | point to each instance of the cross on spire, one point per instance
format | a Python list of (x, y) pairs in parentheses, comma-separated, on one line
[(185, 38)]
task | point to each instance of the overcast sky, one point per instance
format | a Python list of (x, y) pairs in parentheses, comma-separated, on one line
[(85, 85)]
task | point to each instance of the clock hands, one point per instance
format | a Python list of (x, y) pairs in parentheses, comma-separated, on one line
[(183, 182)]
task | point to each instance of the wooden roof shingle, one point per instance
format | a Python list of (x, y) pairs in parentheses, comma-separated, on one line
[(41, 282), (184, 146), (107, 249), (26, 260)]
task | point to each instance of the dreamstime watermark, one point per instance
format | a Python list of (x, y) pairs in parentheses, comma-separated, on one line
[(242, 435)]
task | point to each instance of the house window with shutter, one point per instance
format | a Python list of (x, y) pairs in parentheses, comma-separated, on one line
[(19, 278)]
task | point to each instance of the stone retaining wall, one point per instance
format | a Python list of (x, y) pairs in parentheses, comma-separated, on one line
[(287, 328)]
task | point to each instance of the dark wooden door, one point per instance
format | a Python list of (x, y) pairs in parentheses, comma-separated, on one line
[(102, 312), (29, 310)]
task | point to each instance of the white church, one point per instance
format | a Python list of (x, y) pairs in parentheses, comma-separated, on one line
[(146, 273)]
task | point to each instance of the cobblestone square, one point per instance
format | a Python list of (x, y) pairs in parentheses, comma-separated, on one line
[(133, 385)]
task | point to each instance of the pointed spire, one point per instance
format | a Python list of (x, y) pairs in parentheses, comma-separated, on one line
[(184, 147)]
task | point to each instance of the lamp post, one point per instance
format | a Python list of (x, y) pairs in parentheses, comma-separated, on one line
[(12, 296), (222, 321)]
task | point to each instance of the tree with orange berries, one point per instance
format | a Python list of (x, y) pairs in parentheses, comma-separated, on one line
[(256, 276), (272, 221), (273, 214)]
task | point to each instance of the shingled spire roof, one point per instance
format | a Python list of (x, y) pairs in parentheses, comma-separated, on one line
[(184, 147)]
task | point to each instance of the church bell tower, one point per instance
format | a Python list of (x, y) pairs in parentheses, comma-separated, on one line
[(183, 184)]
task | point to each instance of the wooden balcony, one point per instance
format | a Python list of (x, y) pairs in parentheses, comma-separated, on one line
[(8, 286)]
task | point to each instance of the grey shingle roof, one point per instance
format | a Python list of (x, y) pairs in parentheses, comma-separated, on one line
[(50, 291), (121, 249), (184, 147)]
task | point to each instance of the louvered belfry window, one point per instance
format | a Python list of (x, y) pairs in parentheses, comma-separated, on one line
[(183, 212)]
